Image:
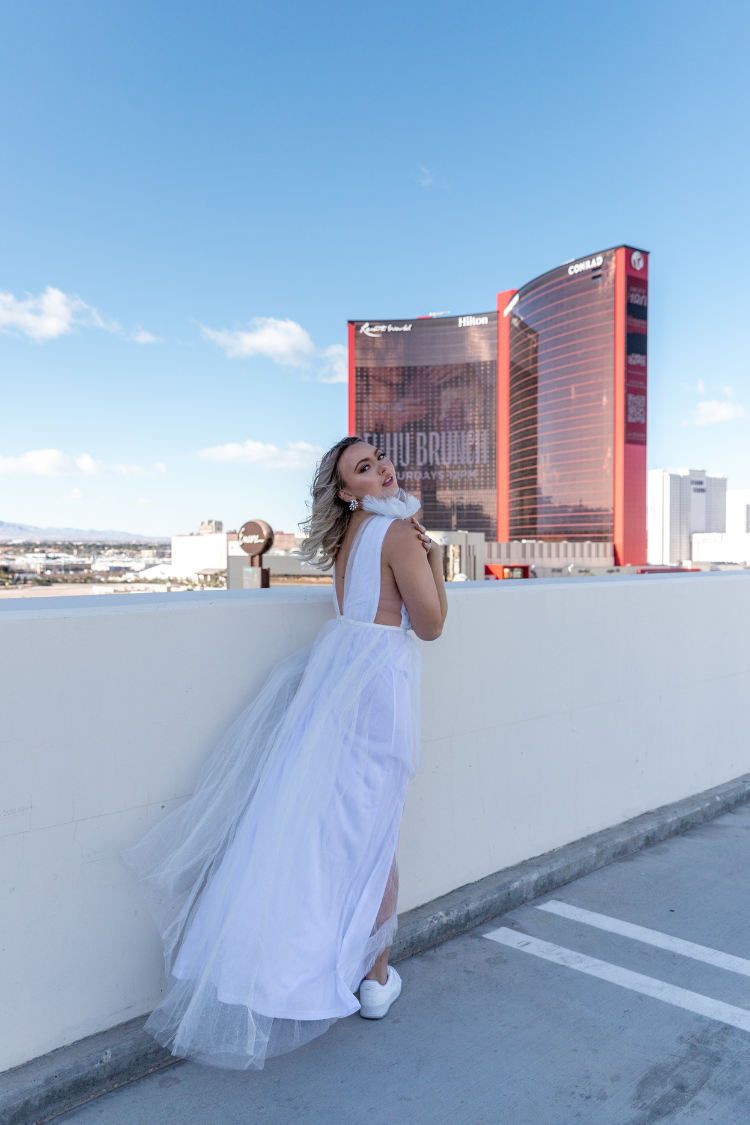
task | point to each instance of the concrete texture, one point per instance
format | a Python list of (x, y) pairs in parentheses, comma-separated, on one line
[(466, 907), (72, 1075), (485, 1035), (551, 710)]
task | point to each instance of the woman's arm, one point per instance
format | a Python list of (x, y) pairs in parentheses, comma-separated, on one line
[(417, 566)]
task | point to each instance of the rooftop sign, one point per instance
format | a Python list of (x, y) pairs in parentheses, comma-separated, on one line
[(591, 264)]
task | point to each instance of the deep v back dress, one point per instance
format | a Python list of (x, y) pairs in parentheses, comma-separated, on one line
[(266, 884)]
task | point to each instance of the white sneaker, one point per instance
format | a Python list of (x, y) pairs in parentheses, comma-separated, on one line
[(375, 999)]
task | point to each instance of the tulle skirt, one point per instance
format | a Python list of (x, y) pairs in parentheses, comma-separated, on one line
[(273, 887)]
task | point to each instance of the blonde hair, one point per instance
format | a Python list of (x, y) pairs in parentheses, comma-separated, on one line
[(326, 525)]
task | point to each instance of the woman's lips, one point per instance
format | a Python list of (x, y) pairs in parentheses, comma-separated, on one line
[(387, 482)]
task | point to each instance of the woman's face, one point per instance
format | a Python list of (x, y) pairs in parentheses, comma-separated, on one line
[(366, 471)]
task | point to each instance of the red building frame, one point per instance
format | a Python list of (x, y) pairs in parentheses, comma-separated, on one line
[(630, 476), (503, 416), (352, 380), (629, 486)]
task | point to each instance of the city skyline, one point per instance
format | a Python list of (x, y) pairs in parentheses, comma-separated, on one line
[(193, 211)]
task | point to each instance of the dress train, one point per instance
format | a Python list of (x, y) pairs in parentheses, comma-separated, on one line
[(268, 884)]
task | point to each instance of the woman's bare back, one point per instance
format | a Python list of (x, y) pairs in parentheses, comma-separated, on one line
[(389, 606)]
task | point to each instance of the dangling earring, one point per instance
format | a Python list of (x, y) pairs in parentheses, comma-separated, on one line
[(353, 504)]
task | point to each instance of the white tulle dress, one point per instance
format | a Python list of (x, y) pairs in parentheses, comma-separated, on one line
[(273, 885)]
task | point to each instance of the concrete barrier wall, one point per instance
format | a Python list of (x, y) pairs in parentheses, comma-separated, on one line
[(551, 709)]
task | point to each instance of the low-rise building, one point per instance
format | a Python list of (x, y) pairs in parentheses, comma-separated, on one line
[(543, 559), (194, 554), (723, 547), (463, 554), (733, 544)]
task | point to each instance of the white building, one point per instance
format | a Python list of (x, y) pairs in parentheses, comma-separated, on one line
[(193, 554), (734, 545), (157, 573), (738, 511), (721, 548), (464, 554), (681, 503)]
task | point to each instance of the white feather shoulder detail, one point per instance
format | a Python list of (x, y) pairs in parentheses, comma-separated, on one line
[(400, 507)]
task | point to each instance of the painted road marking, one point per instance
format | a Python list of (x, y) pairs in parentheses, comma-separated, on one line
[(650, 937), (636, 982)]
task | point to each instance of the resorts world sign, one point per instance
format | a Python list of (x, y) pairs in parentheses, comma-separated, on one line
[(376, 330)]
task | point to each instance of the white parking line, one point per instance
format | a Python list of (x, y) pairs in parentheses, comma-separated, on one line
[(650, 937), (636, 982)]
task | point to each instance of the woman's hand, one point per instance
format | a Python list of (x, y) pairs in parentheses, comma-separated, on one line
[(421, 587), (422, 535)]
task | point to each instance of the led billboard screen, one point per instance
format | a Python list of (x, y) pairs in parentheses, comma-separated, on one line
[(636, 350), (425, 391)]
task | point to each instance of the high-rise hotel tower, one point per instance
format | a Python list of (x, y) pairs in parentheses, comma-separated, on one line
[(524, 423)]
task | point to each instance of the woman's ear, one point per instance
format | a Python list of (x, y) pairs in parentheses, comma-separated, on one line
[(343, 496)]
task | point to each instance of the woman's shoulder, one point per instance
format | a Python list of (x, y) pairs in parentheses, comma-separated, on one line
[(399, 528), (401, 536)]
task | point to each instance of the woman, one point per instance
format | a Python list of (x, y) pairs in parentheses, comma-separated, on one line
[(274, 887)]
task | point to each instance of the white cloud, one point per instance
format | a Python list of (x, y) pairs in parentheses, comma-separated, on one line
[(708, 413), (76, 494), (701, 387), (126, 470), (336, 369), (297, 455), (54, 463), (51, 314), (54, 313), (428, 179), (45, 463), (283, 341), (84, 464)]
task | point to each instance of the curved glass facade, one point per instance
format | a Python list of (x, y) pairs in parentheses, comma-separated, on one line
[(572, 399), (561, 408)]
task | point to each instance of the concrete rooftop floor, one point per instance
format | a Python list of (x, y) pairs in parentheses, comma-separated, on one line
[(484, 1034)]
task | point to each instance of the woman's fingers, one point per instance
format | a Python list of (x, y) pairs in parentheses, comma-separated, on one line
[(422, 535)]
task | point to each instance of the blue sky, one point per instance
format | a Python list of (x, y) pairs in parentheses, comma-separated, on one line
[(195, 197)]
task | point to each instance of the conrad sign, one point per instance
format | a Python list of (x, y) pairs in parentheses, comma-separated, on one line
[(588, 264)]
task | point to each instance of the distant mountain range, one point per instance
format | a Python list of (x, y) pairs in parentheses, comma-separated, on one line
[(56, 534)]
